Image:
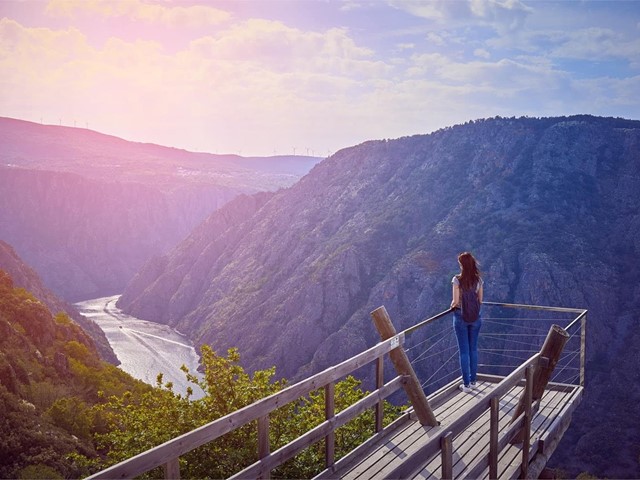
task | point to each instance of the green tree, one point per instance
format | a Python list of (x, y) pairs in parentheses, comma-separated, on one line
[(138, 423), (73, 415), (310, 413), (77, 350)]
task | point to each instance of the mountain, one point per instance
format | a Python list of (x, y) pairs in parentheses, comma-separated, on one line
[(25, 277), (549, 206), (86, 210), (99, 156)]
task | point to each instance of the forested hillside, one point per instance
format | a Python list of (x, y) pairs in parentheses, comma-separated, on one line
[(549, 206), (50, 376), (25, 277), (66, 414)]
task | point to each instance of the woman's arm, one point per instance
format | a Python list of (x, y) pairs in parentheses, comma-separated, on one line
[(480, 293), (455, 296)]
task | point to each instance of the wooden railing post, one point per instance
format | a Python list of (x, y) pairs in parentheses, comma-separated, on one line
[(493, 438), (329, 412), (402, 365), (172, 469), (263, 439), (583, 348), (379, 384), (526, 441), (550, 351), (446, 453)]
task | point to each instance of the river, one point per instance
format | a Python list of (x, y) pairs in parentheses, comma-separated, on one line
[(144, 348)]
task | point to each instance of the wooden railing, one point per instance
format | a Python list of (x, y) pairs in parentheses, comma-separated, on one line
[(168, 453), (519, 430)]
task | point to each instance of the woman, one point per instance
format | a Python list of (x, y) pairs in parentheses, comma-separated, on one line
[(467, 332)]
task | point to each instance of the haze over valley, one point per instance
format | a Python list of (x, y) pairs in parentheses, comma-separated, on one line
[(87, 210)]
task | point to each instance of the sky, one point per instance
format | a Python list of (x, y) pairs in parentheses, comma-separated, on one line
[(265, 77)]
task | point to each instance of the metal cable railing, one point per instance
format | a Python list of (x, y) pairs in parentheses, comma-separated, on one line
[(509, 335)]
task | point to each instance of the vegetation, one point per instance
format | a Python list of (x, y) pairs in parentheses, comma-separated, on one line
[(66, 414), (137, 424), (50, 376)]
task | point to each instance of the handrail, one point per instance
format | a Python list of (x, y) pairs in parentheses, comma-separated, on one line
[(575, 320), (535, 307), (174, 448), (427, 321), (262, 467)]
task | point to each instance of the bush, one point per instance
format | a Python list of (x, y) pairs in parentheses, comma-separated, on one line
[(73, 415), (39, 472)]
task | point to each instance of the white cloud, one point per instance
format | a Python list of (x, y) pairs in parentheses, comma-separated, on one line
[(288, 86), (275, 46), (435, 39), (174, 16), (610, 96), (428, 10), (405, 46), (351, 5), (591, 44), (595, 43), (505, 15)]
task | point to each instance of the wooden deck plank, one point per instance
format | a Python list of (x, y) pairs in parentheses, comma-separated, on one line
[(476, 443), (396, 446), (364, 450), (510, 457), (392, 453), (406, 440), (551, 405), (471, 445), (449, 406), (455, 406), (509, 461)]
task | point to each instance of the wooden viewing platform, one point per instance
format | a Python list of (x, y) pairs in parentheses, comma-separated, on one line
[(381, 457), (508, 427)]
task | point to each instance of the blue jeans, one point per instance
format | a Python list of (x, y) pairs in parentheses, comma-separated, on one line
[(467, 335)]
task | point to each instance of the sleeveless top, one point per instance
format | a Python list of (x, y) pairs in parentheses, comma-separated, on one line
[(455, 281)]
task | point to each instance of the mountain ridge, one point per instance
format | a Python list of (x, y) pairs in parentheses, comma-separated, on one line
[(547, 205), (63, 148)]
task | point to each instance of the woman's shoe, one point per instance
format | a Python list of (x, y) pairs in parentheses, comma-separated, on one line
[(465, 388), (473, 385)]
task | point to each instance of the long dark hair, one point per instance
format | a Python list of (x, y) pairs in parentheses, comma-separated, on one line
[(470, 274)]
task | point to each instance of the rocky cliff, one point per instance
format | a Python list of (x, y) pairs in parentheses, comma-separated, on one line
[(85, 237), (550, 206)]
